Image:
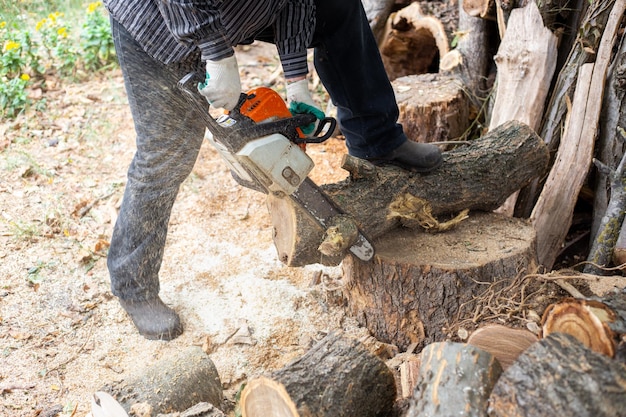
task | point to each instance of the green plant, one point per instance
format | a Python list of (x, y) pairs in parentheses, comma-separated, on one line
[(96, 40), (13, 97), (56, 39)]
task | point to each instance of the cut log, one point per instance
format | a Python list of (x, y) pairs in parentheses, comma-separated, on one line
[(505, 343), (455, 379), (172, 384), (594, 323), (412, 43), (418, 283), (526, 61), (433, 107), (338, 377), (479, 176), (558, 376)]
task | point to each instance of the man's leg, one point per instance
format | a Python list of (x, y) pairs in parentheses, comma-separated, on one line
[(348, 62), (169, 136)]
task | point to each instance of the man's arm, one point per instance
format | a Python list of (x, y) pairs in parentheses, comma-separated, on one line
[(195, 22)]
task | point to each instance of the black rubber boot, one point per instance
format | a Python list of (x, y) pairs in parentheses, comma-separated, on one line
[(153, 319), (412, 156)]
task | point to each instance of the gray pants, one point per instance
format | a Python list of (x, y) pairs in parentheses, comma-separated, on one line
[(167, 149)]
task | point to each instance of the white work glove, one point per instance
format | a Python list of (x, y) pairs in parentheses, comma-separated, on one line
[(300, 101), (222, 86)]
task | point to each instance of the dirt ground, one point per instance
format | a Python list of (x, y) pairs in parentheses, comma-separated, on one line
[(62, 334)]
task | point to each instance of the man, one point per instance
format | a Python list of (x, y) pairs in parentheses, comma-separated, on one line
[(160, 41)]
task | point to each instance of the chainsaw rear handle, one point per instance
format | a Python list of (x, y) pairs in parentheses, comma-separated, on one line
[(245, 129)]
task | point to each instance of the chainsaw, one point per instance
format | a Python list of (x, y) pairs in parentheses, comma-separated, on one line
[(264, 146)]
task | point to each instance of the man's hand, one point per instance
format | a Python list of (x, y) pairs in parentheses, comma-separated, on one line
[(300, 101), (222, 86)]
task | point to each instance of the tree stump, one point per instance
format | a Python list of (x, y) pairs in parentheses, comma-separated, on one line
[(412, 43), (558, 376), (455, 379), (433, 107), (419, 283), (172, 384), (338, 377)]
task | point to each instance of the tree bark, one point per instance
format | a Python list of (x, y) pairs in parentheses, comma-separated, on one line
[(419, 284), (478, 176), (455, 379), (558, 376), (338, 377), (377, 12), (172, 384)]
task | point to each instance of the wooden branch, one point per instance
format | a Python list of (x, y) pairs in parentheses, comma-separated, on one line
[(455, 379), (609, 243), (558, 376), (338, 377), (479, 176), (563, 184), (172, 384)]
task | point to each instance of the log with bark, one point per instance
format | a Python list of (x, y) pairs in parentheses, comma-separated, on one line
[(172, 384), (338, 377), (455, 379), (559, 376), (477, 176)]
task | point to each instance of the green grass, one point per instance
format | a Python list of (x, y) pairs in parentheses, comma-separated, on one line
[(25, 11)]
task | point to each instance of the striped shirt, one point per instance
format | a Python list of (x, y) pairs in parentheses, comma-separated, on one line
[(171, 30)]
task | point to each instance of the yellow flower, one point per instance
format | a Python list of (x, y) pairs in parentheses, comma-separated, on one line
[(10, 45), (3, 24), (53, 16), (40, 24), (62, 32), (25, 77), (92, 7)]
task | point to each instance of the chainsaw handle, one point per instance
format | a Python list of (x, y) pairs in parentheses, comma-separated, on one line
[(327, 123)]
